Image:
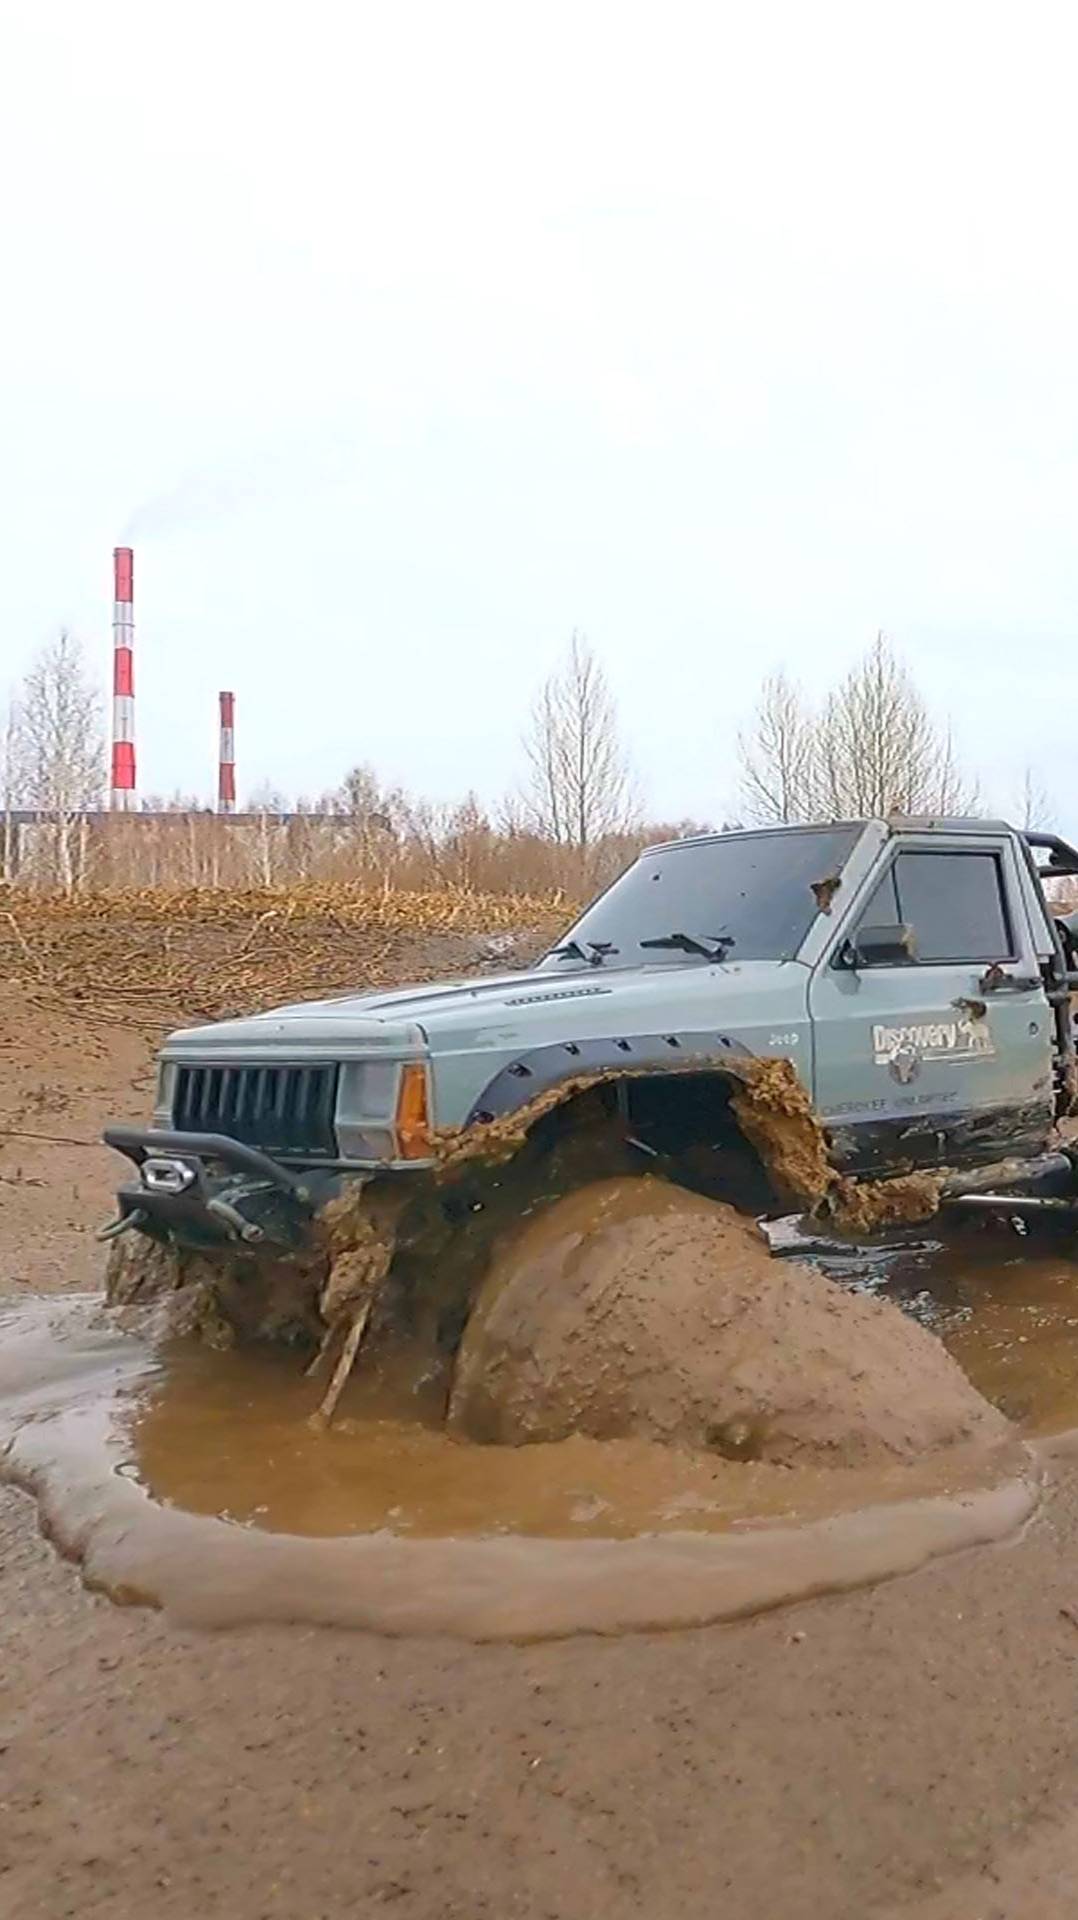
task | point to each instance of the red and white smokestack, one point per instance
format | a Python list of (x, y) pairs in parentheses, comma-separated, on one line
[(226, 761), (123, 680)]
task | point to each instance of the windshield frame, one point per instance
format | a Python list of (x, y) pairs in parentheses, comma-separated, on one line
[(859, 855)]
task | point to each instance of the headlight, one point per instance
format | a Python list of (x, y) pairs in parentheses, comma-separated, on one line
[(368, 1090), (383, 1111)]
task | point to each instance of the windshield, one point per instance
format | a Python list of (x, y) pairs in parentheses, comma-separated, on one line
[(741, 897)]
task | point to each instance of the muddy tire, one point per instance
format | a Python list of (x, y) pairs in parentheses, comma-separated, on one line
[(638, 1310)]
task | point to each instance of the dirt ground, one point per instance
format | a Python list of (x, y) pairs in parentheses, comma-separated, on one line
[(83, 1003), (910, 1750)]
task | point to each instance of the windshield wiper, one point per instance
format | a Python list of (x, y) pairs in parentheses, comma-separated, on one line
[(711, 946), (572, 950)]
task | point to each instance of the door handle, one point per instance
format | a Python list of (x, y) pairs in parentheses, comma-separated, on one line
[(997, 980)]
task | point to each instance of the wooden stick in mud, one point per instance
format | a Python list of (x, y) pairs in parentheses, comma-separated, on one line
[(341, 1371), (324, 1346)]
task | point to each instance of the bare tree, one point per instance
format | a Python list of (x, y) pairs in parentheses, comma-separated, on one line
[(377, 817), (880, 752), (59, 744), (1035, 807), (580, 789), (873, 750), (12, 776), (264, 843), (777, 756), (367, 803)]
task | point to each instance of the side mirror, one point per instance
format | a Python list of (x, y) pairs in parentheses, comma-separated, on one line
[(893, 946)]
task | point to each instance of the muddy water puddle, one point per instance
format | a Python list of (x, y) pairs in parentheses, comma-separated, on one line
[(228, 1435), (1009, 1316), (189, 1479), (1004, 1304)]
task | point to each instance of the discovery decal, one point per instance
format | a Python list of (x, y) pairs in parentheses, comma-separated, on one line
[(904, 1050)]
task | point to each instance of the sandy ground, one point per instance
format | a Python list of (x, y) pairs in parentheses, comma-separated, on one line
[(911, 1750), (61, 1078)]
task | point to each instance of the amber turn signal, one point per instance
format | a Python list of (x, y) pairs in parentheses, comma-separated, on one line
[(413, 1114)]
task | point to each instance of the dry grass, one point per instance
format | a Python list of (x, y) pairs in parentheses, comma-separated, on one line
[(150, 958), (460, 910)]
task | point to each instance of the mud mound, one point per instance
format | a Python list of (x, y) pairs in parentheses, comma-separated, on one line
[(632, 1307)]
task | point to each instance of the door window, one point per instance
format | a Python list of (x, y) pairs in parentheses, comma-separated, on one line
[(883, 909), (954, 903)]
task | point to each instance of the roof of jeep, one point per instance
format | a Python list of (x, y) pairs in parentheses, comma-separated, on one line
[(894, 823)]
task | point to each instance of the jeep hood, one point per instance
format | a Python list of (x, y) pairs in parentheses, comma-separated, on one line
[(507, 1010)]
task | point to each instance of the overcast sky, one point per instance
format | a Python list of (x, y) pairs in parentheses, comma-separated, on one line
[(401, 339)]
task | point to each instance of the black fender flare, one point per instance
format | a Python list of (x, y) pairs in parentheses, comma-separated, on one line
[(535, 1071)]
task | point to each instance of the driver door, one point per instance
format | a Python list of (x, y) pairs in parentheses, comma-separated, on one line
[(943, 1054)]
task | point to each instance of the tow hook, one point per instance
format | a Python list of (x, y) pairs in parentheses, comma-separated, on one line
[(127, 1221)]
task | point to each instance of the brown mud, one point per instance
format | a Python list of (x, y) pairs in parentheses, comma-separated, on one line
[(768, 1100), (908, 1747), (677, 1387), (121, 1450), (634, 1307), (775, 1115), (332, 1295)]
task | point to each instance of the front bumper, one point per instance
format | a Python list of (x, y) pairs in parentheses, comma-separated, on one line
[(206, 1191)]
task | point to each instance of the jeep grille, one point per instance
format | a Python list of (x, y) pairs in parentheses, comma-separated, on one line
[(282, 1109)]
